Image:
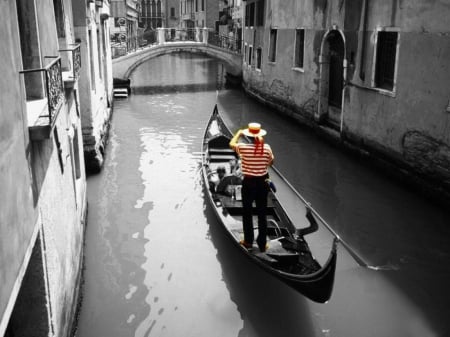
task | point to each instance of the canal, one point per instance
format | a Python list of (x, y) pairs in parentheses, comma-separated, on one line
[(158, 264)]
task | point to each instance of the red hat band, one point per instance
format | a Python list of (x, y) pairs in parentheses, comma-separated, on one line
[(254, 128)]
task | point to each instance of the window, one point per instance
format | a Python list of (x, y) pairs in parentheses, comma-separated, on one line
[(203, 5), (59, 18), (30, 48), (91, 58), (196, 5), (59, 149), (272, 45), (158, 9), (172, 12), (250, 55), (260, 13), (386, 55), (250, 15), (99, 54), (245, 53), (76, 152), (299, 48), (247, 15), (258, 58)]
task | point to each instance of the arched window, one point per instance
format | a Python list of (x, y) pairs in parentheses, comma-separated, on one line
[(158, 9)]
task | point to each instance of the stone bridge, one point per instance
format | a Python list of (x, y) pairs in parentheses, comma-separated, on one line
[(124, 66)]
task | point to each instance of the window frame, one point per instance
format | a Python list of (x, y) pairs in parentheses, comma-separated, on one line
[(374, 84), (297, 66), (250, 55), (252, 8), (258, 62), (260, 13), (245, 52), (272, 57)]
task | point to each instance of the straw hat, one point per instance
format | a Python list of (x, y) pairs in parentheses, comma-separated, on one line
[(254, 130)]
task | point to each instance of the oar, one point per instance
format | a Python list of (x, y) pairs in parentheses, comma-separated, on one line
[(357, 258)]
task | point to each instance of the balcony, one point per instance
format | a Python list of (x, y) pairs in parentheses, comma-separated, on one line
[(45, 95), (70, 64)]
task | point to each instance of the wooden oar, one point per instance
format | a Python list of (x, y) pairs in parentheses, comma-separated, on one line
[(357, 258)]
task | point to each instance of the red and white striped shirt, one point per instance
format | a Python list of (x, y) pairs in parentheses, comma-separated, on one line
[(254, 162)]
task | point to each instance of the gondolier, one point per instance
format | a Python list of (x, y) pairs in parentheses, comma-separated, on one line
[(256, 157), (288, 256)]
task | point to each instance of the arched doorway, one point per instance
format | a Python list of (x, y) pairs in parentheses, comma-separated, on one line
[(331, 79)]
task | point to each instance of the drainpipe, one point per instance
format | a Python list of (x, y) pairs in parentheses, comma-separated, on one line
[(343, 97), (362, 74)]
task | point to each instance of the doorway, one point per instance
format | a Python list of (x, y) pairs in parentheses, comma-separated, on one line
[(331, 79)]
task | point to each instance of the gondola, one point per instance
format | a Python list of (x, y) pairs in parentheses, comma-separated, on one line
[(288, 256)]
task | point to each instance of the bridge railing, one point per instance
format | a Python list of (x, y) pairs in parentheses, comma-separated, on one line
[(122, 45), (183, 34), (226, 42)]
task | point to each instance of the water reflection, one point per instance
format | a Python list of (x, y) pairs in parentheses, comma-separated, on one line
[(158, 264), (267, 307), (387, 224)]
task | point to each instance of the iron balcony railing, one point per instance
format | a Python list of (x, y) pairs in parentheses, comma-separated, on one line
[(53, 87), (71, 60)]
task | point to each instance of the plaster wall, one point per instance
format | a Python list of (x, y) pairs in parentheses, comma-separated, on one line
[(47, 29), (40, 190), (289, 87), (17, 214), (293, 89), (62, 207), (412, 125), (409, 125), (420, 101), (211, 13)]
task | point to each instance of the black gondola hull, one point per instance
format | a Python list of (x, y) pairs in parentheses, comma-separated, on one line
[(293, 266)]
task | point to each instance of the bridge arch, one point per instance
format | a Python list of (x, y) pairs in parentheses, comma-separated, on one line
[(125, 65)]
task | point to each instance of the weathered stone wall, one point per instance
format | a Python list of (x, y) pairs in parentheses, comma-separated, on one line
[(62, 206), (95, 83), (408, 127), (412, 125)]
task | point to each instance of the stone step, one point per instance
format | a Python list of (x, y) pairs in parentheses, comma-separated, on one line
[(120, 92)]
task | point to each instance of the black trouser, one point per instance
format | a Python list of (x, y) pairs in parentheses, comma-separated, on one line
[(255, 189)]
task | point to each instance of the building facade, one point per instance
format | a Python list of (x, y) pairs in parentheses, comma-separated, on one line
[(124, 24), (199, 13), (172, 14), (43, 199), (152, 14), (92, 31), (373, 74), (157, 14)]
